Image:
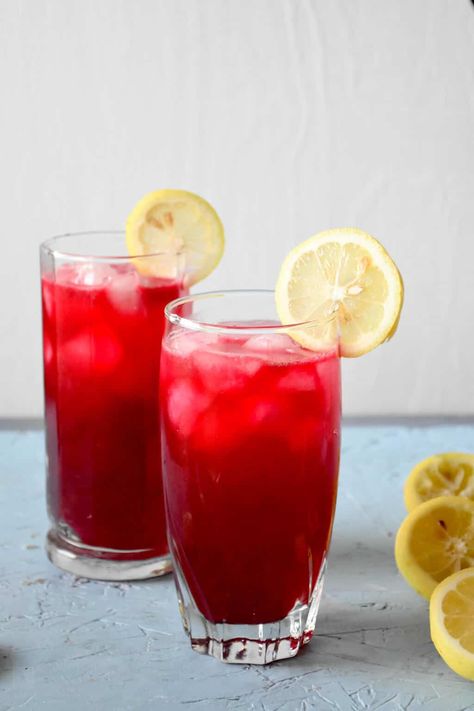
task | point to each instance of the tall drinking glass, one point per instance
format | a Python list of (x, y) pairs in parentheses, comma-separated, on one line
[(250, 427), (103, 318)]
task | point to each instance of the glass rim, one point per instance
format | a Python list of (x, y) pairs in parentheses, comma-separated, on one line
[(201, 325), (49, 246)]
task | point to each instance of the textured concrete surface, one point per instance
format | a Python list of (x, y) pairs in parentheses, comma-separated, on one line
[(72, 644)]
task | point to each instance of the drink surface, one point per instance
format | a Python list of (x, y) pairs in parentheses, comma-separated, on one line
[(251, 453), (102, 328)]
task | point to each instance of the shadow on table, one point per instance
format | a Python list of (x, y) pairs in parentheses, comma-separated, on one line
[(369, 617), (356, 554), (7, 660), (389, 640)]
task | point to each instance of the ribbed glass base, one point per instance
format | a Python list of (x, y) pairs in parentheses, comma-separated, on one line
[(249, 644), (106, 564)]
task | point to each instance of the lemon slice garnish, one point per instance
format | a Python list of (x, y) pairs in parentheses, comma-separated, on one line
[(452, 621), (448, 474), (176, 223), (345, 282), (435, 540)]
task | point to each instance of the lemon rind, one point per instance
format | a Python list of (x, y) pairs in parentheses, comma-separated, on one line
[(459, 659), (410, 495), (421, 581)]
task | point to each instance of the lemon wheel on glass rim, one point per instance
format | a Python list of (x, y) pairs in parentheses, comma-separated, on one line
[(175, 222), (345, 281)]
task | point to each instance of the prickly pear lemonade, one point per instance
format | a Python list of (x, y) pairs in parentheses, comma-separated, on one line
[(102, 327), (250, 428), (251, 451), (103, 320)]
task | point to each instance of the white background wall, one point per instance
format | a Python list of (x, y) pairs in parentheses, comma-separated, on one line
[(290, 116)]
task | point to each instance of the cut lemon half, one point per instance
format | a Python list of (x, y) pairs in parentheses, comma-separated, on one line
[(452, 621), (435, 540), (448, 474), (176, 224), (345, 282)]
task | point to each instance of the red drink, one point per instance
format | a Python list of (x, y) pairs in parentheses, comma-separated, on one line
[(250, 452), (102, 327)]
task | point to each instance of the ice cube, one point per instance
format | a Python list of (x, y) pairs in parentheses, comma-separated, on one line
[(271, 343), (94, 351), (184, 404), (123, 290), (184, 343), (263, 411), (299, 378), (88, 274), (216, 431), (232, 343), (48, 298), (48, 352), (221, 371)]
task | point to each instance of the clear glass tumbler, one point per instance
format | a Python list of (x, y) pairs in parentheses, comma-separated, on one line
[(251, 429), (103, 319)]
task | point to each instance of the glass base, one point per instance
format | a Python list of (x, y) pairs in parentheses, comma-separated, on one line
[(249, 644), (98, 564)]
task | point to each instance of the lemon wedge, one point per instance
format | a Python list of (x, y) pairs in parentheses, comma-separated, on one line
[(176, 223), (447, 474), (345, 282), (452, 621), (435, 540)]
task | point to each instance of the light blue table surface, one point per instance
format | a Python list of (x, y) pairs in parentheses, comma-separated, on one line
[(71, 644)]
